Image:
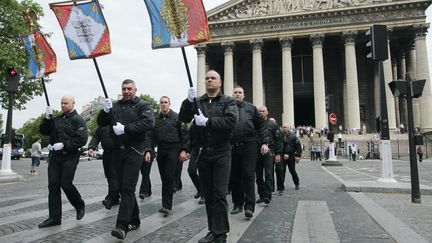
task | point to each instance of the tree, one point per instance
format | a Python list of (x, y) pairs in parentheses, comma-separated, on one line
[(12, 51), (30, 130), (153, 103), (1, 123), (92, 124)]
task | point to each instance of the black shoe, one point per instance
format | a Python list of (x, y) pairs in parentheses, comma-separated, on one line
[(210, 237), (107, 203), (202, 200), (236, 209), (280, 192), (261, 200), (141, 195), (132, 227), (248, 213), (197, 195), (165, 211), (297, 187), (266, 200), (49, 222), (118, 233), (80, 213)]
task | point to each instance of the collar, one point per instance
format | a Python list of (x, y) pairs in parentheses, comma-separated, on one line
[(134, 100), (161, 115), (205, 96), (70, 114)]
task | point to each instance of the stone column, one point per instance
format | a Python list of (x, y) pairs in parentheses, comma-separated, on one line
[(201, 69), (396, 99), (287, 81), (413, 74), (257, 75), (228, 67), (423, 73), (352, 80), (388, 77), (318, 80), (402, 102)]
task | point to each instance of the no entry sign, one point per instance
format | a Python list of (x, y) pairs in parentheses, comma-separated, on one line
[(333, 118)]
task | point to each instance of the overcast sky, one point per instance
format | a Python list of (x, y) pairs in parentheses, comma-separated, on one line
[(156, 72)]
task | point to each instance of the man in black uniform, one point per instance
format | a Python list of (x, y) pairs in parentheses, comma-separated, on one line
[(265, 166), (291, 156), (102, 135), (68, 133), (249, 132), (172, 140), (214, 124), (133, 118)]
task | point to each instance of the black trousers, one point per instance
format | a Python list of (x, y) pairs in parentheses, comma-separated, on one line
[(243, 166), (110, 174), (281, 171), (61, 172), (128, 163), (214, 169), (193, 169), (145, 187), (264, 175), (167, 158), (177, 176)]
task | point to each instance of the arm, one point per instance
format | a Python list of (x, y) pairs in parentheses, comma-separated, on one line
[(187, 111), (79, 139), (146, 121), (96, 139), (184, 135), (103, 118), (149, 142), (46, 126), (261, 127), (228, 120)]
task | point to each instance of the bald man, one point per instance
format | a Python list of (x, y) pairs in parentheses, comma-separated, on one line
[(68, 133)]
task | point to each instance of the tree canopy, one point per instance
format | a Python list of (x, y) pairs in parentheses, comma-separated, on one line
[(12, 51), (31, 133)]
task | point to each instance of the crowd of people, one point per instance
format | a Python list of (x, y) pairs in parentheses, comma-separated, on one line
[(230, 145)]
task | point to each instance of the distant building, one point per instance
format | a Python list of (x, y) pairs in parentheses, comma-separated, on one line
[(92, 108)]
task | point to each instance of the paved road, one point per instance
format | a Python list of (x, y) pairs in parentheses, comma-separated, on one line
[(319, 212)]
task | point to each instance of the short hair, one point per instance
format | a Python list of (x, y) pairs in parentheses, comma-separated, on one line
[(238, 87), (128, 81), (165, 97)]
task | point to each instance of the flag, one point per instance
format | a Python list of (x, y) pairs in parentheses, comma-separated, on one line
[(42, 59), (84, 29), (177, 23)]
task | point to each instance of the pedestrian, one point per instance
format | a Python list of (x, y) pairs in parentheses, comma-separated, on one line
[(354, 152), (130, 119), (36, 152), (291, 156), (349, 152), (215, 122), (68, 133), (265, 165), (102, 136), (249, 133), (171, 137), (193, 167), (420, 153)]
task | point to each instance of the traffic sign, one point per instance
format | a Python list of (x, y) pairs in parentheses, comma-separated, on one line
[(333, 118)]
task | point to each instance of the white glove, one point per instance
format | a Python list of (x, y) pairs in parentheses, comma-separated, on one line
[(50, 147), (48, 112), (191, 94), (200, 120), (107, 105), (58, 146), (119, 129)]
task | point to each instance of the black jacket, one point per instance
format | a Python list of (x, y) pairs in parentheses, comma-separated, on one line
[(168, 129), (292, 145), (275, 140), (69, 129), (137, 117), (250, 126), (102, 136), (222, 115)]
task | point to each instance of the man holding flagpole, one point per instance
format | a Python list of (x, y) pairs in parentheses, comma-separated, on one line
[(214, 124), (130, 119)]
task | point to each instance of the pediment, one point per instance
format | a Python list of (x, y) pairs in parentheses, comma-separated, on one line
[(246, 9)]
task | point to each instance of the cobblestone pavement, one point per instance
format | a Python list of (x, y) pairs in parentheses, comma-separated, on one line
[(23, 205)]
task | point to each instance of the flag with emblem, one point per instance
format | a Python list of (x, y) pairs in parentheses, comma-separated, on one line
[(42, 59), (177, 23), (84, 29)]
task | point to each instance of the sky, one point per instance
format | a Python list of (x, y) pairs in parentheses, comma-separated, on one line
[(156, 72)]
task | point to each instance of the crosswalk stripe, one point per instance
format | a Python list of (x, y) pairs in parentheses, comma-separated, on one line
[(313, 223), (23, 205), (152, 223), (37, 233), (27, 196), (44, 212)]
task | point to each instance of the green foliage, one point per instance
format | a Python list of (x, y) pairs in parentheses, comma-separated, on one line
[(1, 123), (92, 124), (153, 103), (12, 51), (31, 131)]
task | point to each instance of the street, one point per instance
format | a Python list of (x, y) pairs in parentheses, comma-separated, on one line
[(321, 211)]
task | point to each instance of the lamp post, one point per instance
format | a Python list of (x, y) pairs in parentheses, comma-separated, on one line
[(410, 89)]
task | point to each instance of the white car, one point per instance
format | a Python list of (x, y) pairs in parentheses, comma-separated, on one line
[(45, 153)]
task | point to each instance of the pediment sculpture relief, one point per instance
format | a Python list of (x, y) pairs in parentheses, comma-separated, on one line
[(278, 7)]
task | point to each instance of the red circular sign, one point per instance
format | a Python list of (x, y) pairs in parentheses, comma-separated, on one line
[(333, 118)]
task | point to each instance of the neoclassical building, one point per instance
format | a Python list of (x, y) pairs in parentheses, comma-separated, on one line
[(290, 54)]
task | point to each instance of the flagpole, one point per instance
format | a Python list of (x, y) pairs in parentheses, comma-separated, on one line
[(100, 78), (187, 66), (45, 91)]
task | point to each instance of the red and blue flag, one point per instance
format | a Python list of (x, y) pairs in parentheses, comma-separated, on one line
[(42, 59)]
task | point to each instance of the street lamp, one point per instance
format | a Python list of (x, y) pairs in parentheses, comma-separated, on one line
[(410, 89)]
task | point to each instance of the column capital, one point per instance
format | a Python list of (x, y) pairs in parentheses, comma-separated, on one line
[(256, 44), (201, 49), (349, 36), (228, 47), (286, 41), (317, 39), (420, 30)]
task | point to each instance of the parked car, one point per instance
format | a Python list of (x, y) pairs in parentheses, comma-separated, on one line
[(99, 152), (45, 153)]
